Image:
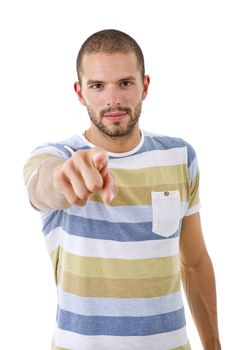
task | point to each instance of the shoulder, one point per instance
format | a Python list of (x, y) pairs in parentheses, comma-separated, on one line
[(64, 148), (155, 141)]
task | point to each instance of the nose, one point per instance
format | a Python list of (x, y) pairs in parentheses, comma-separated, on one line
[(113, 98)]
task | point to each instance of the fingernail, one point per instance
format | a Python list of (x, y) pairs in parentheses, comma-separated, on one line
[(112, 195), (108, 197), (99, 154), (100, 159)]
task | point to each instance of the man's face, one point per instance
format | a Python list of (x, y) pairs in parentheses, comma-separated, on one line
[(112, 90)]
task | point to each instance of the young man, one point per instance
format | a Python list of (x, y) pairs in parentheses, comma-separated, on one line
[(120, 217)]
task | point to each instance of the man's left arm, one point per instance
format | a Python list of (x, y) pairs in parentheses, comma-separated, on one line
[(199, 282)]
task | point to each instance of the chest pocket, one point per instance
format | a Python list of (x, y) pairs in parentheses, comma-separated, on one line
[(166, 212)]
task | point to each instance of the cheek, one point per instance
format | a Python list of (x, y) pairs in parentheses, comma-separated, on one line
[(135, 94), (94, 101)]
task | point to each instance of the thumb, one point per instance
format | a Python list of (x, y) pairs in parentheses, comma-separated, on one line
[(100, 159)]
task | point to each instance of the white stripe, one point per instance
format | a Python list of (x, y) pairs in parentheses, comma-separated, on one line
[(111, 249), (152, 134), (69, 149), (193, 169), (173, 156), (124, 214), (134, 307), (163, 341), (49, 149), (193, 210)]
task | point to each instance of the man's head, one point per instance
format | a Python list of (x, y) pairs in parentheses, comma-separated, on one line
[(110, 41), (111, 84)]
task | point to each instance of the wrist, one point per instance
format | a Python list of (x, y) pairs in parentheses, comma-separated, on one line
[(212, 344)]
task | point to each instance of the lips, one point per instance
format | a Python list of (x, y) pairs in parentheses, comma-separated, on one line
[(115, 116)]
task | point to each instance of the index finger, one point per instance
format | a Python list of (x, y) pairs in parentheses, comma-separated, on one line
[(100, 159)]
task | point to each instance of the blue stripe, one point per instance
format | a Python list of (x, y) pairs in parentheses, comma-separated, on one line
[(159, 143), (191, 153), (58, 148), (100, 229), (119, 306), (120, 326)]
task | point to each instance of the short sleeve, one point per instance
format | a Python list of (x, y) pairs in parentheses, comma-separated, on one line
[(42, 153), (194, 178)]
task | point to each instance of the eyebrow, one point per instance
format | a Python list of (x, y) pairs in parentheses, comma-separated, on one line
[(128, 78), (90, 81)]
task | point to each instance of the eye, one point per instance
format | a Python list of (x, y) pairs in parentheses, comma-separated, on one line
[(126, 83), (96, 86)]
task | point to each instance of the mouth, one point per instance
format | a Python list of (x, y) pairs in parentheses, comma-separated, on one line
[(115, 116)]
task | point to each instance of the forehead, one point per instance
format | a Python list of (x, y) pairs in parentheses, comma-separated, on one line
[(103, 66)]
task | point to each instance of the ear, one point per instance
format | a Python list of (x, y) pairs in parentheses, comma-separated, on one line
[(77, 89), (146, 84)]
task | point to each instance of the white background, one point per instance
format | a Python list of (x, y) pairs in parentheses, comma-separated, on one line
[(188, 55)]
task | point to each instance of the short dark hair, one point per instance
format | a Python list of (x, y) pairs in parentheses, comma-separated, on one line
[(110, 41)]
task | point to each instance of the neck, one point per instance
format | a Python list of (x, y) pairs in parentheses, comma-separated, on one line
[(113, 144)]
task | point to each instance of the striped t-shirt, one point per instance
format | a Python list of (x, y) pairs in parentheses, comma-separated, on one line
[(117, 266)]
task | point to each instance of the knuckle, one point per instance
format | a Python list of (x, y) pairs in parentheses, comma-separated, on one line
[(74, 200), (59, 181), (80, 160), (95, 187), (59, 176), (78, 156), (83, 195), (67, 166), (82, 203), (63, 173), (78, 201)]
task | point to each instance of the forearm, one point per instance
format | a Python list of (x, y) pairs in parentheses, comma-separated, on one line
[(41, 191), (199, 285)]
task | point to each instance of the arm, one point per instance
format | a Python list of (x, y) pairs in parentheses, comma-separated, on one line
[(199, 281), (59, 183), (41, 191)]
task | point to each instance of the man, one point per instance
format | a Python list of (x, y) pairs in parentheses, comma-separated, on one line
[(120, 216)]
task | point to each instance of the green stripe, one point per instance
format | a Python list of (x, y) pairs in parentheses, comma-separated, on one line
[(194, 192), (118, 288), (142, 195), (33, 163), (55, 257), (135, 185), (184, 347), (54, 347), (119, 268), (157, 175)]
